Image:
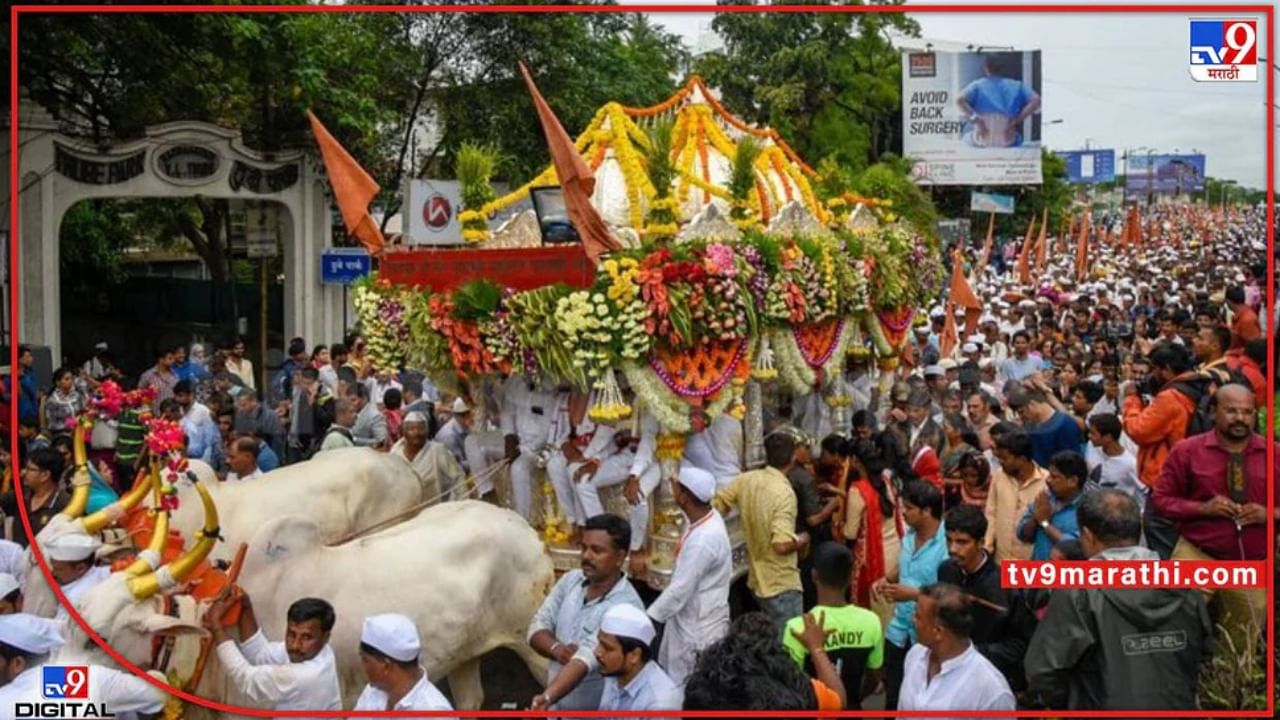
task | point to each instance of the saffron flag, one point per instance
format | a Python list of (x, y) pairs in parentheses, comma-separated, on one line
[(576, 179), (1082, 249), (1024, 257), (950, 338), (1043, 244), (353, 188), (981, 269), (962, 295)]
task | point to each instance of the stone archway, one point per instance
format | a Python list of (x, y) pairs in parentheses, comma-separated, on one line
[(178, 159)]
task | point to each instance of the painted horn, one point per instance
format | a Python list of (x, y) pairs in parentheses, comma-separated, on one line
[(174, 573), (93, 524), (81, 480), (149, 558)]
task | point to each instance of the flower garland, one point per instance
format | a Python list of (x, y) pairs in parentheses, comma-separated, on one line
[(695, 360)]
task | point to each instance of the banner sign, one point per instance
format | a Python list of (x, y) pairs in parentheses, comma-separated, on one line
[(972, 118), (981, 202), (1089, 166), (1171, 174), (518, 268)]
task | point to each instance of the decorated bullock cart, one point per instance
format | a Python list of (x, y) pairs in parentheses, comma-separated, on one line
[(733, 276)]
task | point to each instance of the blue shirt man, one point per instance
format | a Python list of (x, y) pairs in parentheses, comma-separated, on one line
[(1051, 517), (634, 682), (917, 567)]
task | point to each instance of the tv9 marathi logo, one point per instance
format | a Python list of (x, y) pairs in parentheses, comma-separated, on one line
[(1224, 50), (65, 682)]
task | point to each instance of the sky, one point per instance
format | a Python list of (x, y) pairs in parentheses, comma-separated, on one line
[(1115, 80)]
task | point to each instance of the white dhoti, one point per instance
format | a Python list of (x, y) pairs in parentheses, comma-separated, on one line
[(615, 470), (522, 478), (562, 481), (482, 450)]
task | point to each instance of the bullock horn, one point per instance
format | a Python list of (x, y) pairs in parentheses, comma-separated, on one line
[(94, 523), (80, 481), (174, 573), (150, 557)]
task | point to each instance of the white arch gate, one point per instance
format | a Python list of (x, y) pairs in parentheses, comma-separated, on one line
[(178, 159)]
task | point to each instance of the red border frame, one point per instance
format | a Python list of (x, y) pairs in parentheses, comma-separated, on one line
[(1266, 11)]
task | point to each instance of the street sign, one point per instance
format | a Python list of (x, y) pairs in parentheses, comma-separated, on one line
[(261, 228), (991, 202), (343, 266)]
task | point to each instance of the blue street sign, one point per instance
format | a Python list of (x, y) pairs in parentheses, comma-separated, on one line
[(343, 266)]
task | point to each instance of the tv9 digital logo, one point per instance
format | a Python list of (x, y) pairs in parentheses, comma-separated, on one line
[(66, 682), (1224, 50)]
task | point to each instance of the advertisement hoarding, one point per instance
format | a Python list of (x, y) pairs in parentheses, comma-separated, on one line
[(1089, 166), (981, 202), (972, 118), (432, 211), (1172, 174)]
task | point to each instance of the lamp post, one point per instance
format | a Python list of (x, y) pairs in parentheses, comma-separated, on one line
[(1151, 178)]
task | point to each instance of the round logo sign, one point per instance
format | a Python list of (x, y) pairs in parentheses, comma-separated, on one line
[(437, 212)]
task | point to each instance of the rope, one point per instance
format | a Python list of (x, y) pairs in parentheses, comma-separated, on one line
[(419, 507)]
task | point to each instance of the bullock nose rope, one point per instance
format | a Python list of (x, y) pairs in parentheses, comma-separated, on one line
[(415, 509)]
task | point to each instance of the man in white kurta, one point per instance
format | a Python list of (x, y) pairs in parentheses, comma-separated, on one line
[(300, 675), (436, 468), (717, 449), (389, 654), (28, 641), (571, 440), (526, 418), (695, 605), (71, 560)]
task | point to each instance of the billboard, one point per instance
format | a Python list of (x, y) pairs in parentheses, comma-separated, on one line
[(1089, 166), (991, 203), (432, 211), (1172, 174), (972, 118)]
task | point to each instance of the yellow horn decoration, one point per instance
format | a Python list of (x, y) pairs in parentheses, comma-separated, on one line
[(94, 523), (179, 570), (158, 537), (80, 482)]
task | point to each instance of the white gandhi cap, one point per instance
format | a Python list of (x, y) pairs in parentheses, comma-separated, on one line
[(415, 417), (29, 633), (699, 482), (392, 635), (72, 547), (460, 406), (628, 621)]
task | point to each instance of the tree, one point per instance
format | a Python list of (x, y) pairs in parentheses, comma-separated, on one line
[(828, 82)]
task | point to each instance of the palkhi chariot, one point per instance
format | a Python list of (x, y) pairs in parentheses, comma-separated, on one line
[(733, 274)]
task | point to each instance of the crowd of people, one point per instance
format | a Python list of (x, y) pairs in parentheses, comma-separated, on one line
[(1113, 416)]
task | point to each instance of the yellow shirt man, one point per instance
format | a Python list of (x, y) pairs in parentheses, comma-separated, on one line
[(1006, 502), (767, 504)]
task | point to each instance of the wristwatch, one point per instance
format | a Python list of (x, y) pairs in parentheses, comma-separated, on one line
[(1044, 524)]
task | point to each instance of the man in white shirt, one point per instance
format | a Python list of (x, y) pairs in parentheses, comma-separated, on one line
[(240, 365), (71, 561), (717, 449), (298, 674), (1111, 464), (390, 655), (10, 594), (634, 681), (944, 671), (242, 457), (526, 418), (26, 644), (695, 605), (370, 429)]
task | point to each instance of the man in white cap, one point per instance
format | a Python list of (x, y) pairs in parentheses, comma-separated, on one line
[(27, 641), (695, 604), (297, 674), (624, 651), (389, 654), (10, 594), (453, 435), (437, 470), (71, 561)]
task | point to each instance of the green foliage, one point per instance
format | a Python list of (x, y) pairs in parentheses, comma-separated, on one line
[(476, 300), (662, 171), (1235, 678), (887, 180), (742, 174), (828, 82), (474, 169)]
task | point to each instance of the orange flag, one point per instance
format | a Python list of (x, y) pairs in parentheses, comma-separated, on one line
[(353, 189), (576, 179), (1043, 244), (962, 295), (981, 269), (1024, 257), (1082, 249), (950, 338)]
